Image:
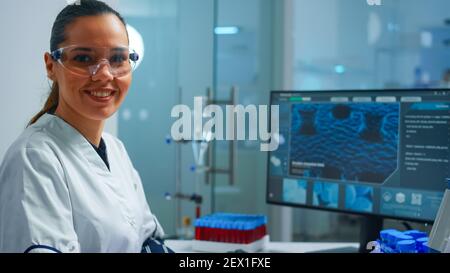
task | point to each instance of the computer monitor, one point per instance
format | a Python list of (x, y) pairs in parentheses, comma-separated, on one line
[(377, 153)]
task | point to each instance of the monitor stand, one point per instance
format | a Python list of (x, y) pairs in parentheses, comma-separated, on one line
[(369, 232), (370, 228)]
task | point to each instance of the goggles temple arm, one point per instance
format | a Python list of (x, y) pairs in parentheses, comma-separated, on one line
[(134, 56), (56, 55)]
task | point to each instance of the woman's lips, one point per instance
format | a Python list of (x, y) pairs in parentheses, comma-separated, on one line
[(101, 95)]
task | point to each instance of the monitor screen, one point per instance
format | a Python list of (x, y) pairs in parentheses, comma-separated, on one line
[(376, 152)]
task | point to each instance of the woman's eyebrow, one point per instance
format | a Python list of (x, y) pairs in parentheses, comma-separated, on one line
[(119, 49), (81, 49)]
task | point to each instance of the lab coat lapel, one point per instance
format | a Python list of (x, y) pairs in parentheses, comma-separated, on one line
[(78, 142)]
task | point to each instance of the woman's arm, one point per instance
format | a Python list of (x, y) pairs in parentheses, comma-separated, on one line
[(36, 212)]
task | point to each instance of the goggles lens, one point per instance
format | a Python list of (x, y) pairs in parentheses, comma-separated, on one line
[(87, 61)]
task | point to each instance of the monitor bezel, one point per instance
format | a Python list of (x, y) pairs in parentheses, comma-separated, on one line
[(384, 216)]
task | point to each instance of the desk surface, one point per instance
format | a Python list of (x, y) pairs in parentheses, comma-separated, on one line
[(185, 246)]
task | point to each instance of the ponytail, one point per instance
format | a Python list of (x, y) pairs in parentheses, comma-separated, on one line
[(52, 101)]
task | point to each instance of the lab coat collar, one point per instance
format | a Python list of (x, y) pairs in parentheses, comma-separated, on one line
[(73, 138)]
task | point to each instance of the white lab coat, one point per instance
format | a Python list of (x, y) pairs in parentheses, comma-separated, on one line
[(56, 194)]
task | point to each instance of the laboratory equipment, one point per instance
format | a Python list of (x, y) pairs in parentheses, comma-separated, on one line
[(225, 232), (394, 241), (203, 165)]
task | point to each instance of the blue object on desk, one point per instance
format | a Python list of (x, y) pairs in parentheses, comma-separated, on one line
[(422, 245), (415, 234), (406, 246), (411, 241)]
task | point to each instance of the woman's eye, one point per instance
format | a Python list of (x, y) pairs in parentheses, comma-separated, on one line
[(82, 58), (118, 59)]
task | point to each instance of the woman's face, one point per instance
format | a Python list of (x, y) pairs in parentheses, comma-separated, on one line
[(77, 93)]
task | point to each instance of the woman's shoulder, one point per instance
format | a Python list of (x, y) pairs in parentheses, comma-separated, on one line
[(38, 137), (33, 151), (33, 137)]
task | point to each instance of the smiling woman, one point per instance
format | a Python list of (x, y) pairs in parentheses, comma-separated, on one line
[(78, 103), (68, 186)]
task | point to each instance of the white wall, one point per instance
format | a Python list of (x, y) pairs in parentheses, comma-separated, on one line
[(25, 27)]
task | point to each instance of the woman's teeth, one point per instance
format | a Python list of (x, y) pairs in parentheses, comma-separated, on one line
[(100, 94)]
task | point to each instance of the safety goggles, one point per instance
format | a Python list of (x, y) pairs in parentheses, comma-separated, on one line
[(86, 61)]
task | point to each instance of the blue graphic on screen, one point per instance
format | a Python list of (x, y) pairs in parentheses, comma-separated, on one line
[(351, 142), (359, 198), (294, 191), (325, 194)]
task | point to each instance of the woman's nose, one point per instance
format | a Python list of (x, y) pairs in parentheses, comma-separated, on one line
[(102, 71)]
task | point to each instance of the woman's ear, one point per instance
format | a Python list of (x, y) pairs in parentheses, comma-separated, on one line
[(50, 66)]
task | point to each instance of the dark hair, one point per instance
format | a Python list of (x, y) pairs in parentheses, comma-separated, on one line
[(67, 16)]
